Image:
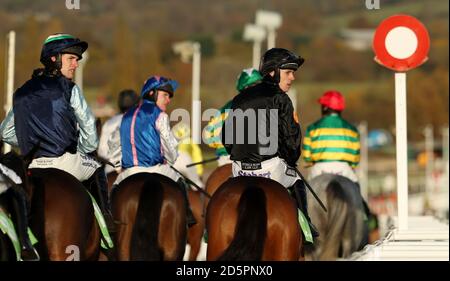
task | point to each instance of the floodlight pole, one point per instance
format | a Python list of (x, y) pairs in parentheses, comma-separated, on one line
[(256, 34), (271, 36), (271, 21), (256, 53), (196, 107), (11, 39), (186, 50)]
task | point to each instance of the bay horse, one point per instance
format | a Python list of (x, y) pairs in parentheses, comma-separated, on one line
[(342, 229), (151, 212), (216, 179), (195, 232), (62, 215), (111, 178), (199, 203), (253, 219)]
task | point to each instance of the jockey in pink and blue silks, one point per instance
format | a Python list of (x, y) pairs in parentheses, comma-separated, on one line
[(148, 144)]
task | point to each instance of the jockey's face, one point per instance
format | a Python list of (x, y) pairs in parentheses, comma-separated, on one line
[(287, 77), (163, 100), (69, 63)]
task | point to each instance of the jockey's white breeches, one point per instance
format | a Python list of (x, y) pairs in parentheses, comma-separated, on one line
[(184, 159), (336, 168), (78, 165), (274, 168), (223, 160), (163, 169)]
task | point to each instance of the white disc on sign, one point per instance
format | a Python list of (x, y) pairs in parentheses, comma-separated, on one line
[(401, 42)]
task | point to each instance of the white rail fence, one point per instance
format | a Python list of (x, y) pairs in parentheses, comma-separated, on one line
[(426, 239)]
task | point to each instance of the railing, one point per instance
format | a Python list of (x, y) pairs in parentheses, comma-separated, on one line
[(427, 239)]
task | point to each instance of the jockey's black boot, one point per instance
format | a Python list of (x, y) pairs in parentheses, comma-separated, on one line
[(19, 214), (98, 186), (190, 216), (302, 203)]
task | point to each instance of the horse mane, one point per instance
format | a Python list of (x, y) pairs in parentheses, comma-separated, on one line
[(251, 227), (144, 238)]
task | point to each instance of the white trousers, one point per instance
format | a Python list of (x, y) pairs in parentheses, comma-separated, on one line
[(275, 169), (336, 168), (223, 160), (184, 159), (79, 165), (163, 169)]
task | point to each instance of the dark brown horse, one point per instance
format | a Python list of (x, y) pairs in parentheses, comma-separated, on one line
[(152, 218), (62, 215), (253, 218), (220, 175), (342, 229), (111, 177), (198, 205)]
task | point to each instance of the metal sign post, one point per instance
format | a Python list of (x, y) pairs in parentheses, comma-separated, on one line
[(401, 43), (402, 150)]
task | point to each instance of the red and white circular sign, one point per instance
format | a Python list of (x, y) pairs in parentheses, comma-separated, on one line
[(401, 43)]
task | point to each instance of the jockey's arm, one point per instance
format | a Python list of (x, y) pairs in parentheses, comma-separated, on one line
[(289, 132), (169, 143), (7, 130), (105, 134), (88, 139)]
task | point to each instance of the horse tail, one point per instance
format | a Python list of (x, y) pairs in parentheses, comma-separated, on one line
[(338, 221), (38, 216), (251, 227), (144, 238)]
